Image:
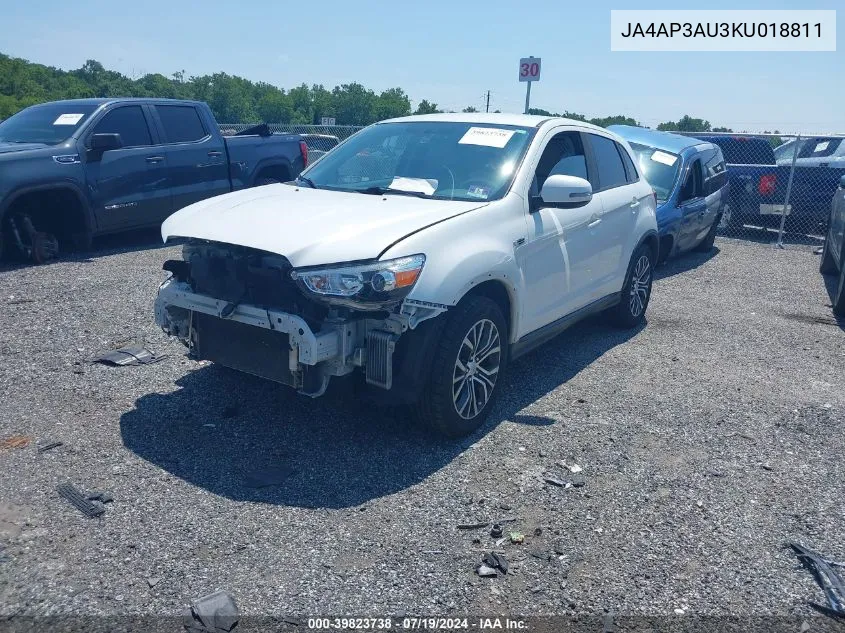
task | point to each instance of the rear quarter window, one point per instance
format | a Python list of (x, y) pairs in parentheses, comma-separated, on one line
[(182, 124)]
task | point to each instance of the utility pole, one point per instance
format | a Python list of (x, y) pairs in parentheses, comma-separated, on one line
[(488, 102)]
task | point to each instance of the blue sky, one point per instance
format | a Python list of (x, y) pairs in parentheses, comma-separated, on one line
[(449, 52)]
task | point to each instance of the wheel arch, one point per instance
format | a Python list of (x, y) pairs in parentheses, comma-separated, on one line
[(85, 211)]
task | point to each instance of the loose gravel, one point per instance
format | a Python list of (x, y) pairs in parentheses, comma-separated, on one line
[(707, 439)]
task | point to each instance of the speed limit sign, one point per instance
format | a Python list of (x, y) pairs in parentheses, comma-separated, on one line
[(529, 69)]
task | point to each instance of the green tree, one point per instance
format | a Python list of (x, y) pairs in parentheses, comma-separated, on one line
[(619, 119), (469, 109), (686, 124), (354, 104), (425, 107), (392, 103)]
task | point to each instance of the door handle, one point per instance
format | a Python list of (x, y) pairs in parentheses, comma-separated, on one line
[(593, 223), (154, 159), (635, 203), (214, 153)]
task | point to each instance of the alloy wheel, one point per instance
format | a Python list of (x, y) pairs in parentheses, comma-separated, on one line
[(476, 369), (640, 286)]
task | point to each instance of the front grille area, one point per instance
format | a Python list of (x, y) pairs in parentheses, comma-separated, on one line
[(244, 275), (247, 348)]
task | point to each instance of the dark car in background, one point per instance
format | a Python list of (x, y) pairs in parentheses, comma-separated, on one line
[(71, 170), (690, 184), (833, 254)]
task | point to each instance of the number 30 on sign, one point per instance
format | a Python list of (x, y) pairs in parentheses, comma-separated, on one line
[(529, 69)]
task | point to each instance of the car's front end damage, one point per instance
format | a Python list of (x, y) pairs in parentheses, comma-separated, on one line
[(250, 310)]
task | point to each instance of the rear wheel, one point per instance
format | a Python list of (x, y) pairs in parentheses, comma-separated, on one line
[(706, 245), (467, 368), (839, 295), (635, 294), (828, 264)]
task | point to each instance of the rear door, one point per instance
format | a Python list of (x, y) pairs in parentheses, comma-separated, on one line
[(128, 184), (197, 167), (715, 188), (620, 206)]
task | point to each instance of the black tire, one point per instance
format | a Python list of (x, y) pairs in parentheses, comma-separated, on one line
[(45, 247), (828, 264), (706, 245), (636, 292), (838, 302), (447, 406)]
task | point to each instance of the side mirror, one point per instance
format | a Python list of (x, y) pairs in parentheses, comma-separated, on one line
[(566, 191), (105, 142)]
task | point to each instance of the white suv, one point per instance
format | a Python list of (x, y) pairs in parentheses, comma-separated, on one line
[(422, 253)]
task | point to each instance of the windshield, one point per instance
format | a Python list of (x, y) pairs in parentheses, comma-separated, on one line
[(49, 124), (431, 159), (659, 167)]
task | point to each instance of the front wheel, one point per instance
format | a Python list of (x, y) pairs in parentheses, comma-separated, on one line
[(467, 368), (636, 292)]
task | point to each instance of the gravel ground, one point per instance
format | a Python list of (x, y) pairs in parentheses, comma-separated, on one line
[(707, 439)]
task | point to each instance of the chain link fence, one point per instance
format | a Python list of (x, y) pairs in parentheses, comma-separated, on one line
[(781, 185)]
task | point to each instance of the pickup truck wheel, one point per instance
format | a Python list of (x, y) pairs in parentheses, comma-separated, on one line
[(839, 296), (636, 292), (467, 368)]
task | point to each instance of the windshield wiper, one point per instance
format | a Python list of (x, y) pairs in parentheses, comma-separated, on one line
[(307, 181), (381, 191)]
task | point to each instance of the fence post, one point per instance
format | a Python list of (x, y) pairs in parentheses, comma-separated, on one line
[(788, 192)]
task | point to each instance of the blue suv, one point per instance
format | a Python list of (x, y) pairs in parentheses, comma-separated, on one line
[(690, 183)]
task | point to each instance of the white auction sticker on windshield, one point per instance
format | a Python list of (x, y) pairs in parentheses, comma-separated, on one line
[(418, 185), (487, 136), (663, 157), (821, 146), (68, 119)]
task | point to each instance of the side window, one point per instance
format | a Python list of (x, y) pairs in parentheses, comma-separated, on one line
[(819, 147), (563, 156), (129, 122), (182, 124), (630, 170), (693, 186), (608, 161), (714, 171)]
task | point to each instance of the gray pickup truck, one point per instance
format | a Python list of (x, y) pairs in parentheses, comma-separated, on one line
[(71, 170)]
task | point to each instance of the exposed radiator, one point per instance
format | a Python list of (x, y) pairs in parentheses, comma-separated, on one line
[(380, 346)]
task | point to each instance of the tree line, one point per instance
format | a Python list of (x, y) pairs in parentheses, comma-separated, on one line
[(234, 99)]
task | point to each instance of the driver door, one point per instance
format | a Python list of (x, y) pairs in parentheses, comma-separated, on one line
[(557, 256)]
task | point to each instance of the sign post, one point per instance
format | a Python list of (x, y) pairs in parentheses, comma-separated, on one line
[(529, 71)]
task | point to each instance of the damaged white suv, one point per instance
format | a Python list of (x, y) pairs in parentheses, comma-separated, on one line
[(423, 253)]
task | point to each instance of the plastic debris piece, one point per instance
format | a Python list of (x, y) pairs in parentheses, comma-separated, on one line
[(99, 495), (214, 613), (49, 447), (517, 537), (501, 562), (575, 468), (77, 499), (132, 355), (152, 582), (496, 531), (472, 526), (485, 571), (16, 441), (554, 481), (830, 582)]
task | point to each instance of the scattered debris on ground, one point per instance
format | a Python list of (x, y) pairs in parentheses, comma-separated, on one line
[(485, 571), (554, 481), (16, 441), (497, 530), (472, 526), (49, 447), (831, 582), (99, 495), (214, 613), (80, 501), (132, 355), (517, 537)]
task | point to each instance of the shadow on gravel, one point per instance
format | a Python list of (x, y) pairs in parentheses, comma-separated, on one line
[(684, 263), (251, 440), (137, 240), (831, 284)]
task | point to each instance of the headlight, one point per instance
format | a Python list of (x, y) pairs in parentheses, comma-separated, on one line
[(365, 286)]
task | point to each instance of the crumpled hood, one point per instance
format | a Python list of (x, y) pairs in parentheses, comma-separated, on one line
[(310, 226), (19, 147)]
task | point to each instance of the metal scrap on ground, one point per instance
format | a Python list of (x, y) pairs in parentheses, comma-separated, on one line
[(49, 447), (830, 582), (79, 500), (132, 355)]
